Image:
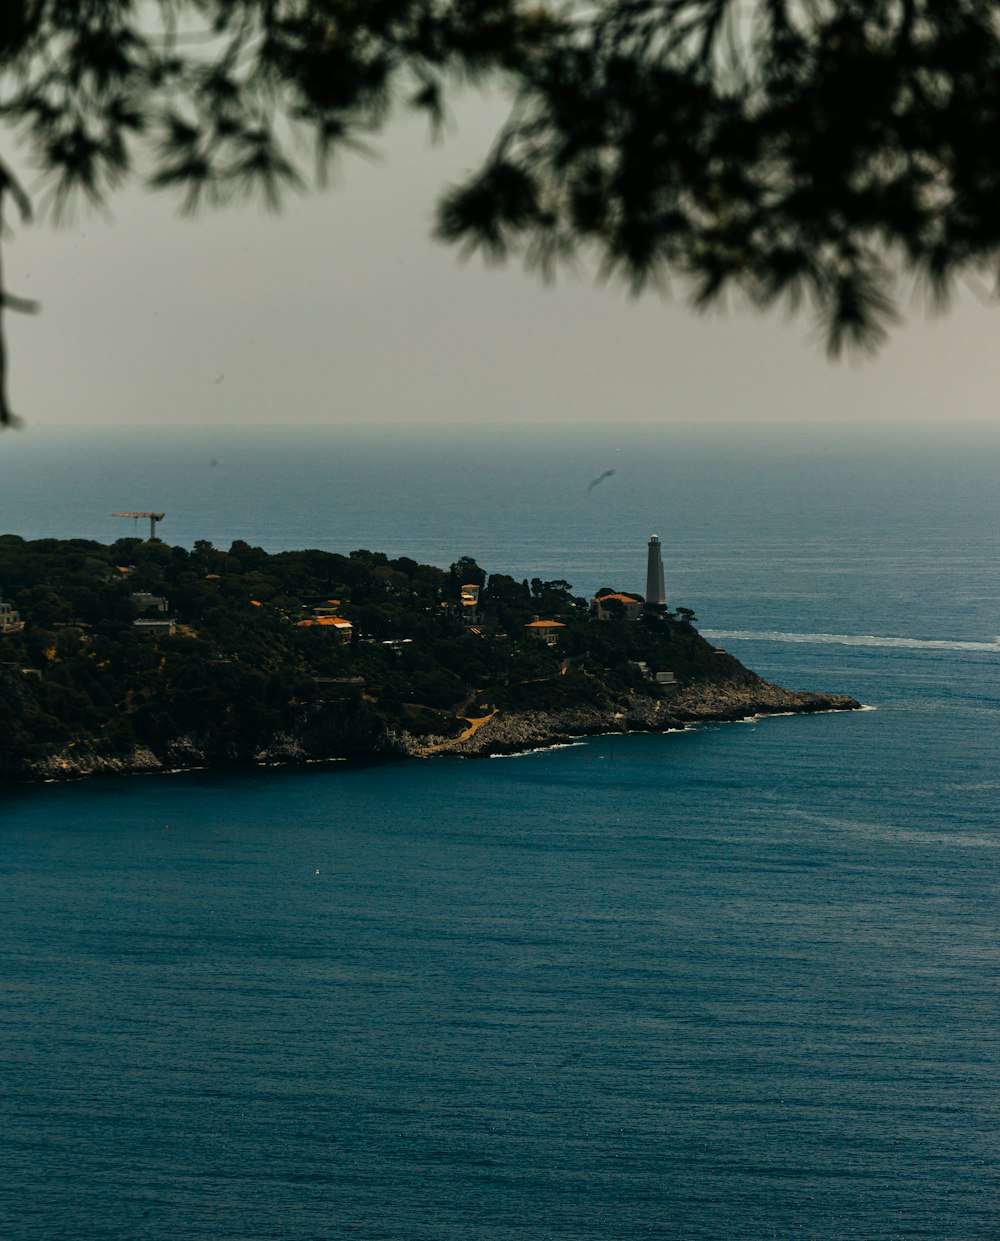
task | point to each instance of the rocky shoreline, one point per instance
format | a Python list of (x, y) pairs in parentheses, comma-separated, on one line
[(503, 732), (514, 732)]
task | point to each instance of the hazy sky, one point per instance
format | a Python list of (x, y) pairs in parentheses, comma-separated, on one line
[(342, 309)]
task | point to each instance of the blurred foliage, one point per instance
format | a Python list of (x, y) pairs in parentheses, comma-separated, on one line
[(226, 99), (215, 92), (781, 150), (784, 151)]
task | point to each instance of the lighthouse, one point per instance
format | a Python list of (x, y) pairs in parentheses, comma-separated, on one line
[(655, 597)]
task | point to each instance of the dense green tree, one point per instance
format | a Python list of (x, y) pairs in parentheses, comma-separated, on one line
[(466, 572), (211, 95), (45, 605), (782, 150)]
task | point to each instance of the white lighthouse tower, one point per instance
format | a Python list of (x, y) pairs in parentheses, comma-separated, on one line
[(655, 596)]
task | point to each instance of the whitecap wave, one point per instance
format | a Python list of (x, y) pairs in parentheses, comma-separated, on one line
[(542, 749), (857, 639)]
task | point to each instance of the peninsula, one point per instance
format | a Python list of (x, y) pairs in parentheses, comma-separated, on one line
[(140, 657)]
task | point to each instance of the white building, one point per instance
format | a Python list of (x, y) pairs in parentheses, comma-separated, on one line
[(10, 620)]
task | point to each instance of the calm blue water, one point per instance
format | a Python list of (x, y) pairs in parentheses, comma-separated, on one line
[(740, 982)]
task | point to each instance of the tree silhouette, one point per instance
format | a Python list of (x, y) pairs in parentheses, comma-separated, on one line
[(786, 150), (211, 98)]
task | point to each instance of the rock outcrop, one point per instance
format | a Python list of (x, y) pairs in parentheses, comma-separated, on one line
[(508, 732)]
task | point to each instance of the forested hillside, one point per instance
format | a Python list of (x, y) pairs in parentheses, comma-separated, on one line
[(341, 652)]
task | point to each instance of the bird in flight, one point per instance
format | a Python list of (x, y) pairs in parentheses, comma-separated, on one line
[(599, 479)]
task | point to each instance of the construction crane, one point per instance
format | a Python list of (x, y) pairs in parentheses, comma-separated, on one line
[(153, 519)]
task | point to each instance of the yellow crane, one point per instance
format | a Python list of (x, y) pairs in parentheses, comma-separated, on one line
[(153, 519)]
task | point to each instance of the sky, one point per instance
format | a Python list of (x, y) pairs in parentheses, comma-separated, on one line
[(342, 309)]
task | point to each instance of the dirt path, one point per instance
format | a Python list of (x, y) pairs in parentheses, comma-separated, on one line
[(439, 746)]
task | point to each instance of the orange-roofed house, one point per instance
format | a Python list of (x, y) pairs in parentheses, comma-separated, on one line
[(546, 631), (337, 625), (469, 596), (622, 606)]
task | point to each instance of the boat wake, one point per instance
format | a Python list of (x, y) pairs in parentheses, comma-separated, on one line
[(894, 833), (847, 639)]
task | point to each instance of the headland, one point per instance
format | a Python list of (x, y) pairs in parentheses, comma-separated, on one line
[(140, 657)]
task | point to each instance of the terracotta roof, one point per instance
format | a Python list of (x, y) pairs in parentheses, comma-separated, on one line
[(545, 625), (618, 595)]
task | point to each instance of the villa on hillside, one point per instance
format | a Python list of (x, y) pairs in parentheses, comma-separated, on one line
[(146, 602), (10, 620), (617, 606), (546, 631), (470, 603), (155, 628), (335, 625)]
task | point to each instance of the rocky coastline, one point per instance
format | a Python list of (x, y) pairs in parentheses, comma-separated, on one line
[(515, 732), (502, 732)]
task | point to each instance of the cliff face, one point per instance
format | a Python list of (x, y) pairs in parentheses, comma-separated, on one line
[(76, 761)]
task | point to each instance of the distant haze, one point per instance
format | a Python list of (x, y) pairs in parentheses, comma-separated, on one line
[(342, 309)]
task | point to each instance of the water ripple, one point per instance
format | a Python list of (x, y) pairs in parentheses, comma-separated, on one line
[(849, 639)]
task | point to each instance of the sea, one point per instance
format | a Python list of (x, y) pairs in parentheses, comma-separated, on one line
[(740, 981)]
